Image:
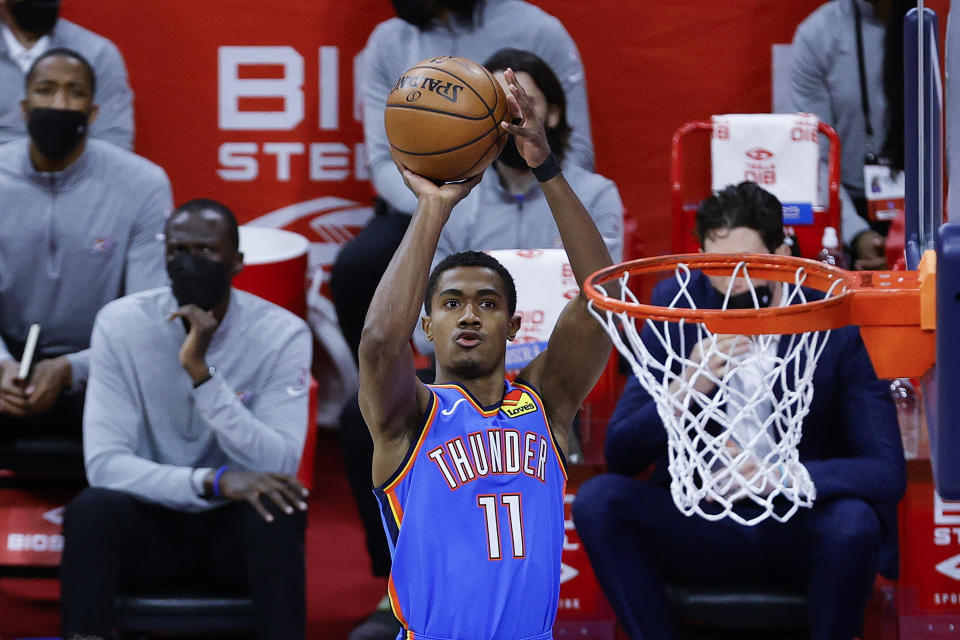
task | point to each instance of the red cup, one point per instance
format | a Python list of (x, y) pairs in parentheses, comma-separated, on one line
[(275, 267)]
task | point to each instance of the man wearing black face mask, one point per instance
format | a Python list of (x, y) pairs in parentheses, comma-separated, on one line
[(80, 222), (195, 420), (638, 541), (508, 210), (28, 29)]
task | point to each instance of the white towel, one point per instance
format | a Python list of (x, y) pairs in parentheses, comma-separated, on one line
[(777, 151), (545, 284)]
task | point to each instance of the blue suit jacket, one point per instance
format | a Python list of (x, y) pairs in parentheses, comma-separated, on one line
[(851, 439)]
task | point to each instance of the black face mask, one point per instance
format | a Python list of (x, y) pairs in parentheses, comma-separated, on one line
[(198, 280), (419, 13), (510, 155), (745, 300), (57, 132), (35, 16)]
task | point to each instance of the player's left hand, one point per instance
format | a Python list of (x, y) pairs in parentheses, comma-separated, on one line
[(193, 353), (47, 379), (530, 135)]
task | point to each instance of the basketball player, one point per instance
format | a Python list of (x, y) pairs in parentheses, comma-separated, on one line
[(470, 471)]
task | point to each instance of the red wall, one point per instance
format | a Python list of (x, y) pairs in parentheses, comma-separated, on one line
[(650, 67)]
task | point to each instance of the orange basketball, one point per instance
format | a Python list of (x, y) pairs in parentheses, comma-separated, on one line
[(443, 118)]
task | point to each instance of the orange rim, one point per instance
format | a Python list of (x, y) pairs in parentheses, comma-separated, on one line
[(818, 315), (895, 310)]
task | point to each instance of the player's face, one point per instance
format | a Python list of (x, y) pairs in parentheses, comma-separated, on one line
[(60, 82), (469, 323), (202, 233), (736, 240)]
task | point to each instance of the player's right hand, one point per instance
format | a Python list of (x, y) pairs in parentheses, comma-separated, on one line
[(284, 491), (13, 394), (448, 194)]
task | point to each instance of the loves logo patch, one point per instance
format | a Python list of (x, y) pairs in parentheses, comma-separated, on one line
[(518, 403)]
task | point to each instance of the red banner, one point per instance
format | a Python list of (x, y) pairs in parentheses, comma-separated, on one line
[(254, 103), (32, 525), (929, 585), (583, 611)]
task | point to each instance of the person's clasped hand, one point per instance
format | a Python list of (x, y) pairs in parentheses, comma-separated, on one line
[(37, 394), (870, 249)]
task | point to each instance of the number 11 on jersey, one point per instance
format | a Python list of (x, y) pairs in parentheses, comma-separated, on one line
[(492, 518)]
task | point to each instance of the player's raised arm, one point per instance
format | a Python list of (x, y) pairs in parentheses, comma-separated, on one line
[(392, 399), (579, 346)]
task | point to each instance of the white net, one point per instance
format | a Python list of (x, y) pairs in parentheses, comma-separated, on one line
[(732, 405)]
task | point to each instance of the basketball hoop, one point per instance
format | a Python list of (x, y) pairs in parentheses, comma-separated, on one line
[(732, 385)]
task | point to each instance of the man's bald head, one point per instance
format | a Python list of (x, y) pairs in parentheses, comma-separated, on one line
[(209, 210), (76, 60)]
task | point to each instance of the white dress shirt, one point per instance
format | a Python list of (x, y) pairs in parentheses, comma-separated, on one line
[(21, 55)]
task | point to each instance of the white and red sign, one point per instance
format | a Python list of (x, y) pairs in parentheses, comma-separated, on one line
[(777, 151), (545, 283), (31, 523)]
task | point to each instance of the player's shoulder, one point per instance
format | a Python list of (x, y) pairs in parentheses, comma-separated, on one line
[(545, 29), (268, 319), (129, 312), (822, 22), (84, 41), (137, 170), (517, 10), (389, 33), (591, 182), (13, 156)]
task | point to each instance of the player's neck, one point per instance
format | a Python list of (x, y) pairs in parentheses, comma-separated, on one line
[(515, 181), (486, 389)]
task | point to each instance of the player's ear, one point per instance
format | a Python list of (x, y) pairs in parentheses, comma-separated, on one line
[(237, 265), (427, 327), (783, 250), (513, 328)]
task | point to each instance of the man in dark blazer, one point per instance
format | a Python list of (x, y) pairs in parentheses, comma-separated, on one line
[(638, 540)]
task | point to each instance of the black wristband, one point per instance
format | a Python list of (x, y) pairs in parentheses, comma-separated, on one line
[(549, 169)]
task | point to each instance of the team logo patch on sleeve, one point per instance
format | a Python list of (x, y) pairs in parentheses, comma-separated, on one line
[(518, 403)]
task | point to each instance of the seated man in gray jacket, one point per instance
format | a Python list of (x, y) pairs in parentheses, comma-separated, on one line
[(195, 420), (30, 28), (80, 225)]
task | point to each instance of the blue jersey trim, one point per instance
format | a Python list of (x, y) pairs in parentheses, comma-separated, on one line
[(386, 514)]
